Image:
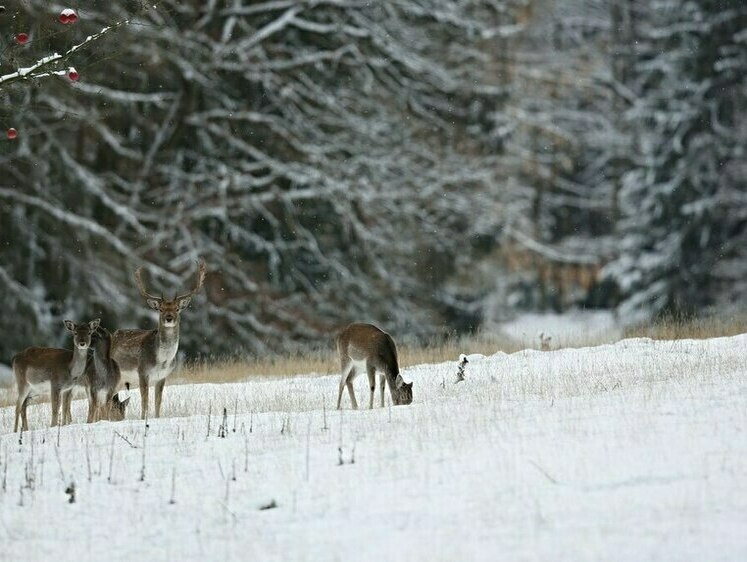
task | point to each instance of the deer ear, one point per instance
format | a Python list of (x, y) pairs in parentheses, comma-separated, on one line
[(69, 325), (93, 324), (155, 304), (399, 382), (125, 401), (184, 303)]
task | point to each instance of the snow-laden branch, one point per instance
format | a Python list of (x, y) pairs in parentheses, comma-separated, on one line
[(35, 70)]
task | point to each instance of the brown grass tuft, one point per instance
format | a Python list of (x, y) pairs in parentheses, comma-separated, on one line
[(671, 328)]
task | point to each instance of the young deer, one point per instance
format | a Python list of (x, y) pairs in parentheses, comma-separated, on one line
[(150, 355), (103, 376), (61, 368), (364, 346)]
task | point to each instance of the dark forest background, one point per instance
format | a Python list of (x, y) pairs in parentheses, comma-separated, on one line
[(431, 166)]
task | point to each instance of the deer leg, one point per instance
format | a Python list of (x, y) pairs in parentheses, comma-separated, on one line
[(159, 392), (339, 394), (106, 409), (67, 416), (24, 419), (382, 387), (371, 371), (21, 403), (55, 405), (101, 412), (393, 392), (91, 406), (143, 397), (349, 384), (345, 368)]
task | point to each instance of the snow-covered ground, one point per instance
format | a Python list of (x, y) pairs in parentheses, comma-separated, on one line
[(633, 451)]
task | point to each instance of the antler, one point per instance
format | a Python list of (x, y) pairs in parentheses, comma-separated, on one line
[(141, 285), (201, 271)]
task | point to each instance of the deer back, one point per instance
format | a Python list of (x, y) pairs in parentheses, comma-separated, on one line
[(130, 347), (366, 342), (36, 365)]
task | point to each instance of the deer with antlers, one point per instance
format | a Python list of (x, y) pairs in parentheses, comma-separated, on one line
[(149, 356)]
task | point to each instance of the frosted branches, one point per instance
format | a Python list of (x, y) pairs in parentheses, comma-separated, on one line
[(315, 153)]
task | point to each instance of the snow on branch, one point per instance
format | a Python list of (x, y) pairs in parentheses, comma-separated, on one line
[(33, 71)]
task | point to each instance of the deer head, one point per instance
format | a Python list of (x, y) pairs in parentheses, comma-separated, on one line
[(118, 408), (404, 391), (82, 332), (169, 309)]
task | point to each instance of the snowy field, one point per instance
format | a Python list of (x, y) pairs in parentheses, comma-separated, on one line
[(633, 451)]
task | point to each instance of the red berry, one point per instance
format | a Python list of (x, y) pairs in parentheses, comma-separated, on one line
[(22, 38), (73, 75), (68, 16), (12, 133)]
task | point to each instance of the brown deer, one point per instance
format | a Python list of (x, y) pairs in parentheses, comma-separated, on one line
[(150, 355), (62, 369), (364, 346), (102, 378)]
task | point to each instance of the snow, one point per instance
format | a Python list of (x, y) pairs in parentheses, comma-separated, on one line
[(630, 451), (25, 71)]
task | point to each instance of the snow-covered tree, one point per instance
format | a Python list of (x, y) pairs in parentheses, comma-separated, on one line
[(317, 154), (561, 147), (683, 227)]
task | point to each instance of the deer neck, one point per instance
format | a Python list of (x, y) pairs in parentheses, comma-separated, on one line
[(391, 375), (78, 363), (167, 342), (101, 355)]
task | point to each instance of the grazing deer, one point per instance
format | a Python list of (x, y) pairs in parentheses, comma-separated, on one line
[(150, 355), (61, 368), (103, 376), (364, 346)]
